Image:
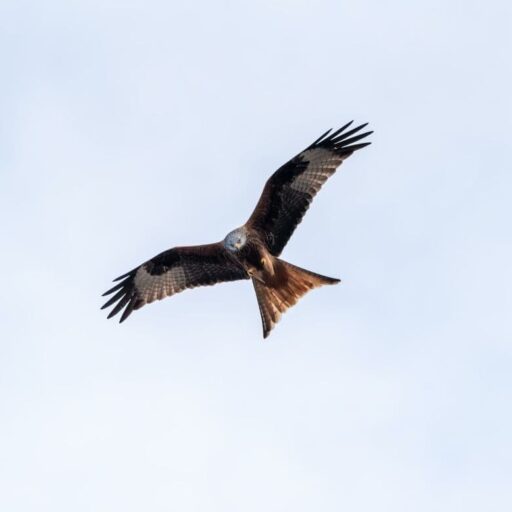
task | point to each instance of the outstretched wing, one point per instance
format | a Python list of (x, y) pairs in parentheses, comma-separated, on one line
[(172, 272), (290, 190)]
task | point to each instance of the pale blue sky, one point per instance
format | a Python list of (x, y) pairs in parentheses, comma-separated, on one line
[(130, 127)]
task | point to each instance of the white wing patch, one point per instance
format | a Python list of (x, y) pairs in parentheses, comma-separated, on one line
[(322, 164), (157, 287)]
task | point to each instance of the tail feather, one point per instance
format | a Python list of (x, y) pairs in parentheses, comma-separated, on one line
[(286, 287)]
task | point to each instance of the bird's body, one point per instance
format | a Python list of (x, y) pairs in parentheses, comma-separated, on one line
[(251, 251)]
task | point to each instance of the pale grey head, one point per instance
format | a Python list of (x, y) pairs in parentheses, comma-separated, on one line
[(236, 239)]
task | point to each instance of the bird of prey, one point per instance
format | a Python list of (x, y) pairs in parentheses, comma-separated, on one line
[(251, 251)]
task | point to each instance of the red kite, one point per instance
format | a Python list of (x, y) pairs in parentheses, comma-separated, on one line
[(251, 251)]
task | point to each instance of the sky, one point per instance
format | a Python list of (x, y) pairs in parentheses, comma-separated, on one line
[(131, 127)]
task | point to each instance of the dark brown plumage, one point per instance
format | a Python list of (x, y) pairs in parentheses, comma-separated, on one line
[(252, 250)]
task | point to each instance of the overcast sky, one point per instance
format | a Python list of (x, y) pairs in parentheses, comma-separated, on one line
[(129, 127)]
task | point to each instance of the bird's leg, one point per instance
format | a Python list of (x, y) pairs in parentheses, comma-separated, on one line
[(267, 264), (256, 274)]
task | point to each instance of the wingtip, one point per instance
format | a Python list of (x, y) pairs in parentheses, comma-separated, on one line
[(322, 137), (339, 131), (356, 147), (342, 136), (128, 310), (122, 277)]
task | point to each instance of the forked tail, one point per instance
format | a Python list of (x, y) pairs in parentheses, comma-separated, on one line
[(281, 291)]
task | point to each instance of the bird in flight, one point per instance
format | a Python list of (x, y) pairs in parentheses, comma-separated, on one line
[(251, 251)]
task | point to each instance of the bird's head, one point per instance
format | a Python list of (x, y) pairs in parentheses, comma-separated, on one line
[(236, 239)]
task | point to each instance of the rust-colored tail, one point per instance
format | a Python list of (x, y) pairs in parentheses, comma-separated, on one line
[(282, 290)]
